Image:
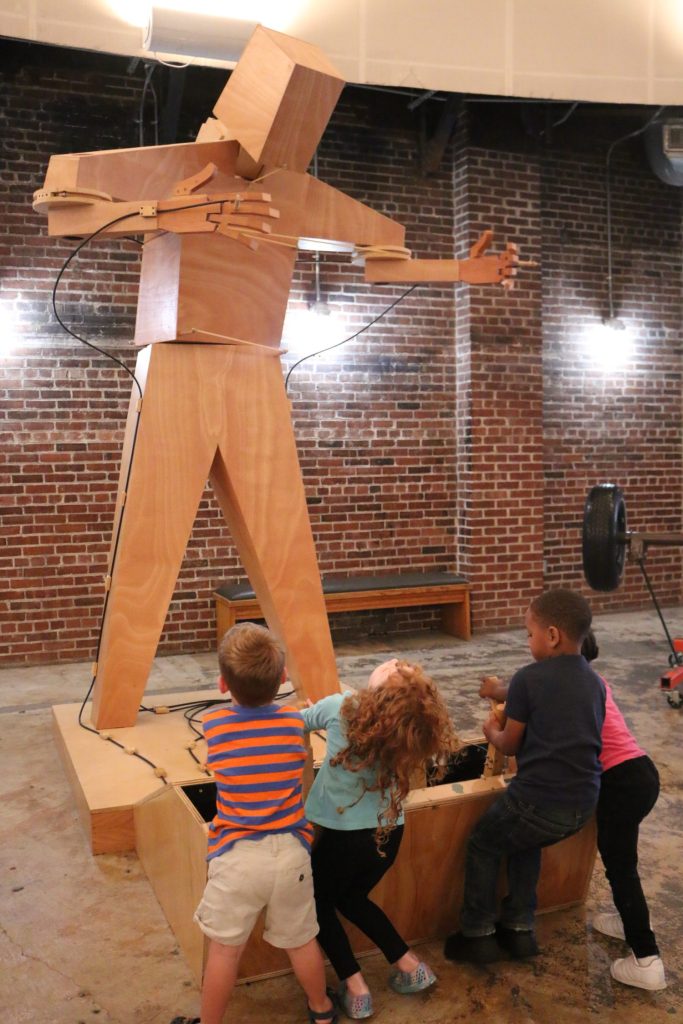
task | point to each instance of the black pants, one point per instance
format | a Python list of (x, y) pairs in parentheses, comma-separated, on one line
[(628, 792), (346, 866)]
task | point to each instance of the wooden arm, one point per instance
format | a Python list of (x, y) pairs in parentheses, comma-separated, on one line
[(82, 212), (382, 266)]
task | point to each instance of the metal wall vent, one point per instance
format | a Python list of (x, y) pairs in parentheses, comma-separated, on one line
[(664, 147), (673, 138)]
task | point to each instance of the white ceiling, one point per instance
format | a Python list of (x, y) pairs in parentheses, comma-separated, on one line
[(621, 51)]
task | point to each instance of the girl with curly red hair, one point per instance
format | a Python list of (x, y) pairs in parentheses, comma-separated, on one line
[(377, 739)]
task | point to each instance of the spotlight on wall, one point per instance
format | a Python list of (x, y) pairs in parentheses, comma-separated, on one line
[(308, 330), (609, 343), (614, 323)]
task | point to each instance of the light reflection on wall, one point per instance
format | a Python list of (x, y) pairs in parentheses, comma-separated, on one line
[(610, 345), (306, 331)]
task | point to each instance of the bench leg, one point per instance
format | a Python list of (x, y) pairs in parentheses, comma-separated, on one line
[(455, 618), (226, 618)]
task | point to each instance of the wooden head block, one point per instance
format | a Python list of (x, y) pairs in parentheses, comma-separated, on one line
[(279, 99)]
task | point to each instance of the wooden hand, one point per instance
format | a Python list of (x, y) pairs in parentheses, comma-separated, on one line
[(500, 268), (390, 264)]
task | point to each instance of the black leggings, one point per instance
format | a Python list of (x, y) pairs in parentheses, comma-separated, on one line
[(346, 866), (628, 792)]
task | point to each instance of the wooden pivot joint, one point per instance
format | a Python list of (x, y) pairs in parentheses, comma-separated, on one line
[(48, 199)]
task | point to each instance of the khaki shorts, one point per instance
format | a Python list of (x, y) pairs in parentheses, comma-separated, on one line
[(272, 873)]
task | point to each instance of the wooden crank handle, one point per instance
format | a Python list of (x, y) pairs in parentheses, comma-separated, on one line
[(499, 711)]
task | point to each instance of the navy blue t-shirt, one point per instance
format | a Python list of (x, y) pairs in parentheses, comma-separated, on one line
[(562, 703)]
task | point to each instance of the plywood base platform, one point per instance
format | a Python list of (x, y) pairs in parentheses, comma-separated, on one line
[(108, 783), (124, 806)]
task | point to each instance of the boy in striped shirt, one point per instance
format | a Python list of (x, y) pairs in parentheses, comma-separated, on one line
[(259, 840)]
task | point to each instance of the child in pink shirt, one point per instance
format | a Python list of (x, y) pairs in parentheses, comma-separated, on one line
[(629, 789)]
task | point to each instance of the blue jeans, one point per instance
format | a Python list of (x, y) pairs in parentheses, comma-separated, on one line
[(519, 830)]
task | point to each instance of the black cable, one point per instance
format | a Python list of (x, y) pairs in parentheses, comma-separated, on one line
[(84, 341), (351, 336), (151, 68), (561, 120), (119, 362), (111, 570), (76, 251), (608, 190)]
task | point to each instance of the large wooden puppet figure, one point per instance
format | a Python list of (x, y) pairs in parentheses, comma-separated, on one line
[(222, 219)]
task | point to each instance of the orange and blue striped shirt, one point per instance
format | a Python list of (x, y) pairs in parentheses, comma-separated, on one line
[(257, 756)]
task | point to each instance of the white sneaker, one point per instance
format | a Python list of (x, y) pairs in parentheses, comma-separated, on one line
[(609, 923), (629, 972)]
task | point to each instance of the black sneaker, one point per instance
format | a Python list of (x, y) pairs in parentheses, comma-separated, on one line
[(519, 944), (477, 949)]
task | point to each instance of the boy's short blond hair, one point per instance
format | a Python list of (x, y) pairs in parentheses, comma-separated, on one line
[(251, 662)]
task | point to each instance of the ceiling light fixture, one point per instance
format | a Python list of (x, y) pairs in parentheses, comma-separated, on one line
[(196, 35)]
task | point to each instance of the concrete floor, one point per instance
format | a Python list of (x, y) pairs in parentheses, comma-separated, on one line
[(83, 940)]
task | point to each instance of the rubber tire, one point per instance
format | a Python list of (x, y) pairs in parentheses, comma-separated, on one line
[(604, 544)]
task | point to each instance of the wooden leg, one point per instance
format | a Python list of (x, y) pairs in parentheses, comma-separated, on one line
[(213, 410), (225, 618), (455, 618), (264, 503), (173, 455)]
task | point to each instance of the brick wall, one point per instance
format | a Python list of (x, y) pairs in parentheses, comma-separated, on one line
[(427, 442)]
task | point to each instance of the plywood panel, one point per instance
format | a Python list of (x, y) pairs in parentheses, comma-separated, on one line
[(142, 173), (107, 783), (422, 892), (174, 449), (264, 503), (170, 841), (230, 290)]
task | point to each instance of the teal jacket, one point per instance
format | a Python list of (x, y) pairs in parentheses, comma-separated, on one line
[(338, 798)]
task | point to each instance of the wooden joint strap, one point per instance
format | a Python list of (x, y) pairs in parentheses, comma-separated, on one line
[(188, 185), (383, 252)]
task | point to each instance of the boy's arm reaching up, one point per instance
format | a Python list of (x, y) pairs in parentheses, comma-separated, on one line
[(322, 713), (507, 739)]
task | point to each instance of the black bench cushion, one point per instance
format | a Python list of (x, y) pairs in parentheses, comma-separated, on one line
[(349, 584)]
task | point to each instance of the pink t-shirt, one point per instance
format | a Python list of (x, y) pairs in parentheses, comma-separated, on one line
[(617, 742)]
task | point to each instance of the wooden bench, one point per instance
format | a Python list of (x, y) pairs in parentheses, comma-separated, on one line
[(362, 593)]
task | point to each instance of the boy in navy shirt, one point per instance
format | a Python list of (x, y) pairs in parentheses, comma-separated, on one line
[(555, 709)]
